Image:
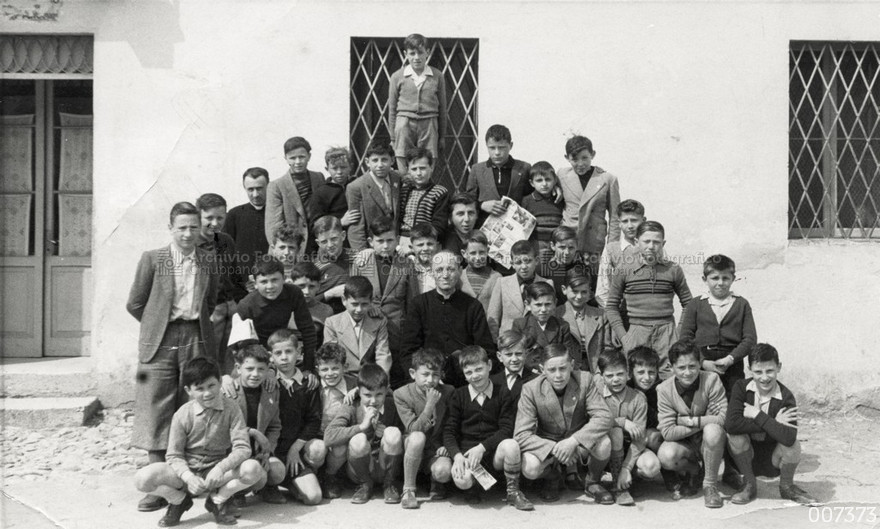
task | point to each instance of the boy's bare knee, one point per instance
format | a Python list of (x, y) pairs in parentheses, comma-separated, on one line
[(311, 497), (251, 472), (508, 448), (358, 446), (648, 467), (602, 448), (464, 483), (738, 443), (713, 434), (415, 442), (668, 455), (392, 436), (441, 470), (531, 467)]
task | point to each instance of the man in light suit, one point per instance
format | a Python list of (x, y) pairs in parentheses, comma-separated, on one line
[(562, 416), (173, 295), (285, 202), (375, 194), (589, 192), (363, 336)]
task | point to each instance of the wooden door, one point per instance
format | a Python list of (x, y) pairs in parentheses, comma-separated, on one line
[(46, 205)]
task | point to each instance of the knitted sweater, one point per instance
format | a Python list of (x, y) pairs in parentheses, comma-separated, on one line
[(469, 424), (648, 292), (736, 330), (432, 207)]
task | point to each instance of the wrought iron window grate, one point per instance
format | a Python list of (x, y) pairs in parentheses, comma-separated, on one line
[(374, 60), (834, 140)]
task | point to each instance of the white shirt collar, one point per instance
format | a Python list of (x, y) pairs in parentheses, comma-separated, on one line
[(716, 301), (624, 244), (474, 393), (752, 386), (409, 72), (296, 377), (341, 385)]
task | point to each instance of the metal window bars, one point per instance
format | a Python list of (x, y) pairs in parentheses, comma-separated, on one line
[(834, 140), (374, 60)]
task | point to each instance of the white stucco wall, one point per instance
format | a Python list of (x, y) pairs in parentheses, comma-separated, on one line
[(686, 103)]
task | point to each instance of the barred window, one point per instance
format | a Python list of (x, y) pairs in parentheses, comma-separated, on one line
[(834, 140)]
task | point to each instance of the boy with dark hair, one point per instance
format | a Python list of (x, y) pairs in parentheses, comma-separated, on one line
[(416, 102), (289, 197), (462, 220), (424, 241), (513, 350), (762, 428), (394, 285), (371, 428), (479, 431), (364, 337), (273, 303), (286, 245), (498, 177), (589, 192), (212, 214), (335, 385), (246, 223), (629, 409), (566, 259), (422, 200), (542, 327), (720, 323), (631, 214), (299, 445), (173, 296), (648, 285), (691, 408), (508, 301), (422, 408), (542, 204), (329, 198), (478, 279), (332, 259), (644, 364), (445, 319), (587, 324), (374, 195), (307, 278), (259, 408), (208, 450)]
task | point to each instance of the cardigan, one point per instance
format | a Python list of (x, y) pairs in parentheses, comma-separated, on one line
[(433, 207), (268, 417), (736, 330), (346, 423), (429, 101), (763, 422), (328, 199), (670, 406), (300, 409), (469, 424)]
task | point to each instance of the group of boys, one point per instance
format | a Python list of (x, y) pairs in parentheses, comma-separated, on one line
[(386, 341)]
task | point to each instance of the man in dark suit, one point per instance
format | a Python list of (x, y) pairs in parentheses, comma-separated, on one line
[(173, 295)]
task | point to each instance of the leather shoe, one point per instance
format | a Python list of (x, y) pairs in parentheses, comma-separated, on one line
[(150, 503), (796, 494), (599, 494), (174, 512), (711, 497), (220, 512), (362, 493), (408, 500), (271, 494), (519, 500), (748, 493)]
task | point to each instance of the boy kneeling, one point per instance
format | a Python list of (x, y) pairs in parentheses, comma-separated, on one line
[(762, 428), (479, 431), (372, 430), (208, 450)]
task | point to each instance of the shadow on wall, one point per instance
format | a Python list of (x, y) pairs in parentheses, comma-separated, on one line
[(154, 35)]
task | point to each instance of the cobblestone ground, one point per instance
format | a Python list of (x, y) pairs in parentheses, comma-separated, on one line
[(103, 446), (100, 446)]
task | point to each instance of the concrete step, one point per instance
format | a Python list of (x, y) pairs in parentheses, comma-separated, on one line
[(47, 377), (46, 412)]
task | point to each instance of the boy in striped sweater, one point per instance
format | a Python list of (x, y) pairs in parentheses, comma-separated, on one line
[(541, 203), (421, 200), (648, 285)]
